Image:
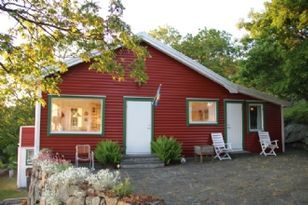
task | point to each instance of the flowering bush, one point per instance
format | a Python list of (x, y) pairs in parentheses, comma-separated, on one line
[(64, 180), (50, 163), (104, 179), (69, 176)]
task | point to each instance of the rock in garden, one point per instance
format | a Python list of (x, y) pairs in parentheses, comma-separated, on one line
[(296, 133)]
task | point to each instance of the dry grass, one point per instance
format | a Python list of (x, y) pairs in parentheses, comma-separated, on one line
[(8, 188)]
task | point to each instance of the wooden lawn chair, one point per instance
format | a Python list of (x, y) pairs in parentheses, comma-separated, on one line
[(268, 147), (221, 148)]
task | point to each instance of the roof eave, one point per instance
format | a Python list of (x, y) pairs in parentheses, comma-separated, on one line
[(263, 96)]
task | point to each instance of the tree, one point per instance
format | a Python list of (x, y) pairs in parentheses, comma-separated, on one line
[(12, 117), (50, 31), (276, 58), (167, 34), (213, 48)]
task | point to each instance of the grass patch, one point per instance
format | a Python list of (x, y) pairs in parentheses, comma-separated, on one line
[(8, 188)]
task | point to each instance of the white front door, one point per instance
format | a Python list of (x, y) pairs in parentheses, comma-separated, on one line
[(235, 125), (138, 126)]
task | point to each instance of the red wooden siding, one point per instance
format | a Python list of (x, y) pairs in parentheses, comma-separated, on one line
[(178, 83), (27, 136), (272, 124)]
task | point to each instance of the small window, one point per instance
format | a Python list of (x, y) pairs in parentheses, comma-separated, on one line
[(202, 112), (255, 117), (29, 156), (76, 115)]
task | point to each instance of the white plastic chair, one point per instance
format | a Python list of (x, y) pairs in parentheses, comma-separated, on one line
[(221, 148), (268, 147), (84, 154)]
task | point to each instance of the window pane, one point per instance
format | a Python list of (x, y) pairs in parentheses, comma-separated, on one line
[(29, 156), (255, 117), (76, 115), (202, 112)]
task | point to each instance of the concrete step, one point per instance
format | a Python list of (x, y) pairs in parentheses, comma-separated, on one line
[(141, 161), (142, 166)]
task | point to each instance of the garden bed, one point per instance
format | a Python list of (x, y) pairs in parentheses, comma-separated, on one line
[(55, 181)]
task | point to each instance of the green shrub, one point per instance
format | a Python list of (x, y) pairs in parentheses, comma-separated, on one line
[(108, 152), (167, 149), (298, 113), (123, 189)]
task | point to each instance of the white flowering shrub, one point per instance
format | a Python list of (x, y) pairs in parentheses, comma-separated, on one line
[(51, 197), (64, 180), (49, 163), (104, 179), (69, 176), (59, 185)]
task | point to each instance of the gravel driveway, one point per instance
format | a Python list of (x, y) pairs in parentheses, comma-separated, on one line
[(247, 179)]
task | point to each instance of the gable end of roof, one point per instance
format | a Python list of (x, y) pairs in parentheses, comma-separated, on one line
[(201, 69)]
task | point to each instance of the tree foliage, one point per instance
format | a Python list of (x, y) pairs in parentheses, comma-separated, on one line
[(167, 34), (277, 49), (50, 31), (213, 48), (297, 113), (12, 117)]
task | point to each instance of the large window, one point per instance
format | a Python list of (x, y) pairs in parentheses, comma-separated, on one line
[(202, 111), (76, 115), (256, 117)]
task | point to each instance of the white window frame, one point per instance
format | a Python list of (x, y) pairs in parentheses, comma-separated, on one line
[(71, 133), (262, 116), (27, 155), (188, 111)]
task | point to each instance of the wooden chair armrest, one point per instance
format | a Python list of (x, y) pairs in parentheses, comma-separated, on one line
[(275, 141)]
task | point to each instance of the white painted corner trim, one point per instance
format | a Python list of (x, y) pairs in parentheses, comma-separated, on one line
[(37, 128), (282, 131)]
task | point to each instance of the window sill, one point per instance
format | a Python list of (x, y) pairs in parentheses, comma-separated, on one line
[(256, 130), (205, 124), (75, 134)]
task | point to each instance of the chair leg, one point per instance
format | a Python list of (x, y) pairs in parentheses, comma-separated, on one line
[(226, 156), (92, 160), (272, 152)]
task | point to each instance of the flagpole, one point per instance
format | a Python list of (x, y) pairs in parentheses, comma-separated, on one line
[(157, 96)]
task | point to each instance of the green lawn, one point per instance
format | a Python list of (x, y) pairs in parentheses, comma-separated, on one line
[(8, 188)]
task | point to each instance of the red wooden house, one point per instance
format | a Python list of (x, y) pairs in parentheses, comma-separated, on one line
[(194, 102)]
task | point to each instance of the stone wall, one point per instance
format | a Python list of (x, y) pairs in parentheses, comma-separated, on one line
[(81, 194)]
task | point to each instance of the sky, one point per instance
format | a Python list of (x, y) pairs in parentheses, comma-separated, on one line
[(187, 16)]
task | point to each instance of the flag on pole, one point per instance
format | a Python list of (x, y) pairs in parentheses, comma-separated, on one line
[(157, 96)]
